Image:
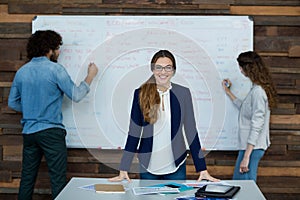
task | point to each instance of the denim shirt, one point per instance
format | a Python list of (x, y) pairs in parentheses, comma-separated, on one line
[(38, 90)]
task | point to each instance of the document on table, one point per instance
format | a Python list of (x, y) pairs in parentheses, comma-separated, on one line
[(154, 190), (203, 183)]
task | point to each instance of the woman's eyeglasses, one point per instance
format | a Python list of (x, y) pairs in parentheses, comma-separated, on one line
[(167, 68)]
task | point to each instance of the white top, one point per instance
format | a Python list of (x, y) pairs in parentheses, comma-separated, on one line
[(162, 160)]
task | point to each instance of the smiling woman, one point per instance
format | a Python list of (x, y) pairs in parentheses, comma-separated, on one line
[(160, 111)]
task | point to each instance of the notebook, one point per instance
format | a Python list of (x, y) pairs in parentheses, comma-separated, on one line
[(109, 188)]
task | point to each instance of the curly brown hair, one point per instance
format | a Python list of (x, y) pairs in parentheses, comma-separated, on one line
[(148, 97), (256, 70), (41, 42)]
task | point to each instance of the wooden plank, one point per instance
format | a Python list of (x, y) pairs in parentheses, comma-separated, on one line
[(279, 196), (276, 20), (1, 153), (281, 62), (298, 83), (281, 82), (174, 2), (278, 163), (15, 30), (5, 176), (262, 171), (285, 126), (273, 54), (5, 84), (288, 122), (108, 156), (80, 1), (35, 1), (213, 170), (268, 2), (13, 184), (4, 93), (13, 166), (290, 31), (214, 6), (78, 152), (288, 91), (285, 132), (70, 175), (10, 125), (285, 119), (286, 105), (136, 9), (7, 76), (289, 99), (12, 153), (294, 51), (265, 10), (111, 168), (284, 111), (285, 139), (281, 191), (34, 8), (271, 31), (227, 162), (11, 131), (274, 44), (294, 147), (285, 70), (9, 18), (9, 140), (7, 110), (17, 49), (83, 168), (277, 149), (13, 119)]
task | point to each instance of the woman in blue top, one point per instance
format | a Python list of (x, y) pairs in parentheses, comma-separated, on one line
[(254, 116), (160, 111)]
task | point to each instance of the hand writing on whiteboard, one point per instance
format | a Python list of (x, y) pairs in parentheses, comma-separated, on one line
[(92, 72), (226, 83)]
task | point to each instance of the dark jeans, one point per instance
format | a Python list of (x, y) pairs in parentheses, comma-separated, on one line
[(180, 174), (50, 143)]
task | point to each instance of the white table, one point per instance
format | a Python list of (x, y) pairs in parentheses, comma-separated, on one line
[(249, 190)]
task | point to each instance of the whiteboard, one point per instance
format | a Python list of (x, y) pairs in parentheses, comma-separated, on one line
[(205, 48)]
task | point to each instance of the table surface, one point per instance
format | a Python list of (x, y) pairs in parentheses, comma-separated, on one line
[(249, 190)]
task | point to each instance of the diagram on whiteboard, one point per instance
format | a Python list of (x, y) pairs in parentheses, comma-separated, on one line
[(205, 48)]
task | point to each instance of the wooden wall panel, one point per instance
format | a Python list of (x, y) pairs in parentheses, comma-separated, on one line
[(267, 2), (266, 10), (17, 49), (34, 7), (276, 20), (276, 39)]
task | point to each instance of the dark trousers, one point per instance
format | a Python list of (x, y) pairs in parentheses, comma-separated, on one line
[(50, 143)]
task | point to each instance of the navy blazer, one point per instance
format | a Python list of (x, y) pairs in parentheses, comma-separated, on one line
[(140, 134)]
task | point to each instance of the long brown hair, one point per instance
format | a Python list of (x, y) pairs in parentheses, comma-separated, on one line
[(256, 70), (148, 97)]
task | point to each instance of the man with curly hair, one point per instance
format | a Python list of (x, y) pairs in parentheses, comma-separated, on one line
[(37, 91)]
